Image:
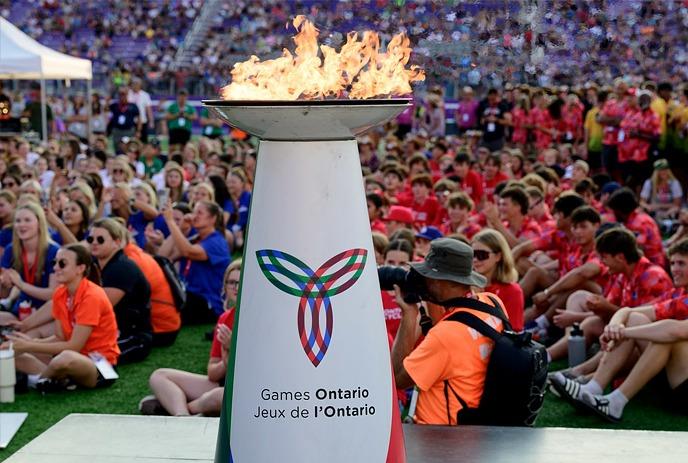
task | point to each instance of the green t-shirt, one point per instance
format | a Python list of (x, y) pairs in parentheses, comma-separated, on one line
[(153, 168), (182, 120), (34, 111), (209, 130)]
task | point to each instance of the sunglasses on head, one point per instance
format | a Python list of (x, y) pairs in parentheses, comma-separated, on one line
[(98, 239), (481, 254), (59, 262)]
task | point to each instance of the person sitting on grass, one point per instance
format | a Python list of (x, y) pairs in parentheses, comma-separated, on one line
[(583, 270), (492, 259), (126, 287), (659, 332), (635, 281), (26, 271), (85, 330), (181, 393)]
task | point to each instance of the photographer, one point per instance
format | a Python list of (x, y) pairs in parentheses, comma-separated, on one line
[(451, 360)]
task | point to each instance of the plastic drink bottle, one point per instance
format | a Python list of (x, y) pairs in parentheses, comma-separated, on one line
[(577, 351)]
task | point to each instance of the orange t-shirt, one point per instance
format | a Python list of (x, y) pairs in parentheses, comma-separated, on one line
[(164, 315), (90, 307), (454, 352)]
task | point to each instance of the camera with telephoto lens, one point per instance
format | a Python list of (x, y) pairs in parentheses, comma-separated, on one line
[(411, 283)]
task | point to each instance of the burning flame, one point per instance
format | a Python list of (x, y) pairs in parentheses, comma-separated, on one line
[(357, 71)]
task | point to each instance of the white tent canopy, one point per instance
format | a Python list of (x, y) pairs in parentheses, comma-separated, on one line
[(21, 57)]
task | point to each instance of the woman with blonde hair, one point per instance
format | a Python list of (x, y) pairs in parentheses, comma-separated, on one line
[(121, 170), (662, 194), (492, 258), (202, 191), (27, 275), (81, 191)]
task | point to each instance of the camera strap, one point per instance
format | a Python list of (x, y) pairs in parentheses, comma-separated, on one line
[(469, 303)]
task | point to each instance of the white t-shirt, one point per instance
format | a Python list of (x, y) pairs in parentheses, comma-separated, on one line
[(142, 100), (664, 196)]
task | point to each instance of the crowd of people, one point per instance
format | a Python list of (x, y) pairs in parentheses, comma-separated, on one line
[(568, 203), (486, 43)]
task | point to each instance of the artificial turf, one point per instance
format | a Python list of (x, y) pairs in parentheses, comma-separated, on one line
[(190, 352)]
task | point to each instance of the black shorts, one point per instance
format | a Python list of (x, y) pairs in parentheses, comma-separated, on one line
[(179, 136)]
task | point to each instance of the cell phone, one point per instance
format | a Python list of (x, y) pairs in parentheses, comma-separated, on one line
[(163, 197)]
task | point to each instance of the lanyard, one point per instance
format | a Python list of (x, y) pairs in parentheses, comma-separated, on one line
[(29, 272)]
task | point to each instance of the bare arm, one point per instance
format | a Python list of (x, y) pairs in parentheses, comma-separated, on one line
[(663, 331), (186, 249), (75, 343), (404, 342), (114, 295)]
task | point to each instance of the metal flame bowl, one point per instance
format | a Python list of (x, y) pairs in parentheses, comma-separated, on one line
[(304, 120)]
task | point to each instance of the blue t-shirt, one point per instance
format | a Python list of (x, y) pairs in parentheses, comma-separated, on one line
[(239, 217), (160, 224), (55, 236), (137, 225), (204, 278), (42, 282), (5, 237)]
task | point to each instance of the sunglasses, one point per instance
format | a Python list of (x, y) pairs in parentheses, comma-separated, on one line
[(232, 283), (27, 176), (117, 171), (480, 254), (59, 262), (98, 239)]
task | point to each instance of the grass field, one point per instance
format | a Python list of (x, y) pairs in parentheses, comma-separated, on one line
[(190, 353)]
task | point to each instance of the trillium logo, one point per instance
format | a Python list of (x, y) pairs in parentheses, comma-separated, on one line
[(314, 288)]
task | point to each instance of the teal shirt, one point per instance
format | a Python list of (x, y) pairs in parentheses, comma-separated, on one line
[(182, 121), (209, 130)]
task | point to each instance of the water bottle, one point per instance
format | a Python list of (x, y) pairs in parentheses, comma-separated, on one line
[(577, 352), (7, 375)]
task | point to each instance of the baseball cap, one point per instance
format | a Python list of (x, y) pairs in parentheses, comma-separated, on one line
[(610, 187), (451, 260), (399, 214), (429, 233)]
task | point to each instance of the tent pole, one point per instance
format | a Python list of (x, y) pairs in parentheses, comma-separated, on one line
[(89, 109), (44, 112)]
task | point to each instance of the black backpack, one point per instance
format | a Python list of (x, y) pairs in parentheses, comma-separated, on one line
[(516, 373), (176, 284)]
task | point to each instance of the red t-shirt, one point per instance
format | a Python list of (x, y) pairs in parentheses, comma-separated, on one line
[(472, 185), (612, 108), (227, 318), (634, 148), (542, 118), (511, 295), (468, 230), (520, 119), (648, 283), (378, 226), (425, 213), (392, 312), (529, 229), (647, 235), (489, 185), (675, 308)]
